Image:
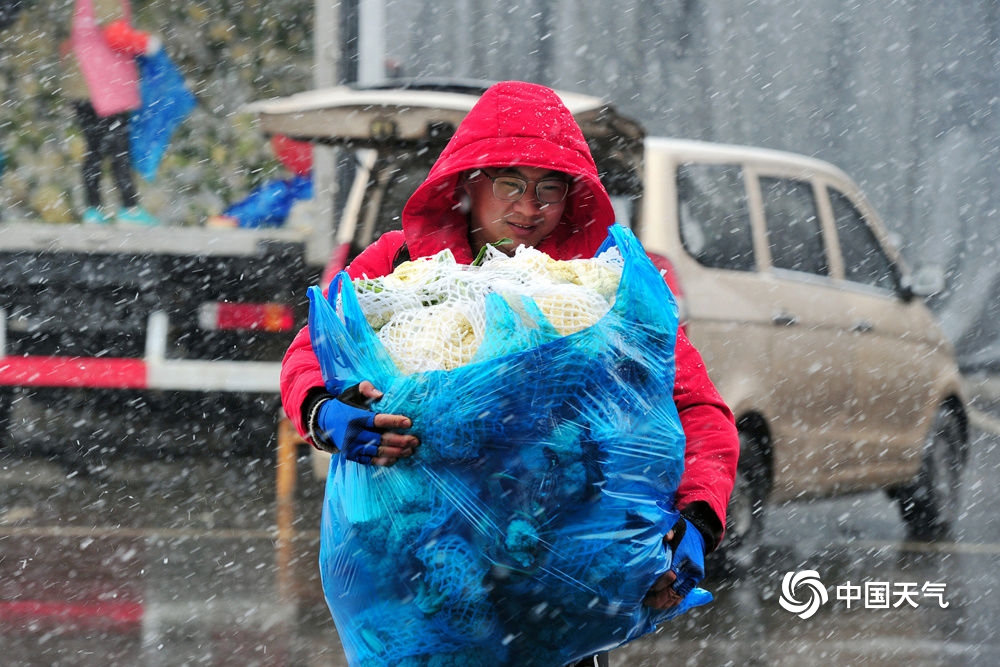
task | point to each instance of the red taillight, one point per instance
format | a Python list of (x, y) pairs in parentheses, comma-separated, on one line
[(673, 282), (272, 317)]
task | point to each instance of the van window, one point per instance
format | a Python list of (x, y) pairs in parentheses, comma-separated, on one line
[(794, 233), (714, 221), (864, 259)]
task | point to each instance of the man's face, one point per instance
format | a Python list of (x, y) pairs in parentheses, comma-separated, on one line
[(525, 221)]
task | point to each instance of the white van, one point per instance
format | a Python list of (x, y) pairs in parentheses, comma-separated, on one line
[(812, 329)]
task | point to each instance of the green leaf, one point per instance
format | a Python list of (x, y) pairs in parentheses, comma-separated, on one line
[(482, 251)]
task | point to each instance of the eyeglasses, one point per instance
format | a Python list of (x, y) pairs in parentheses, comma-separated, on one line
[(512, 188)]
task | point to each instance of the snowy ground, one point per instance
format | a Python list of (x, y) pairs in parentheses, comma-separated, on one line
[(189, 562)]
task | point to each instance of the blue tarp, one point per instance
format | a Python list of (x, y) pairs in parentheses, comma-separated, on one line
[(528, 526), (166, 102), (269, 204)]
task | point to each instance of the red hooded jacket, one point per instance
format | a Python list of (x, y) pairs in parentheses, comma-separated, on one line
[(522, 124)]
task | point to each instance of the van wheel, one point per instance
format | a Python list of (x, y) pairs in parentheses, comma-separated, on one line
[(929, 504), (745, 515)]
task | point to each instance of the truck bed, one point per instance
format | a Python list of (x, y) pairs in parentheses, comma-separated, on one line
[(115, 326)]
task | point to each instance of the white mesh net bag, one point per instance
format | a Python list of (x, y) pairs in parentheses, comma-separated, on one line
[(430, 313)]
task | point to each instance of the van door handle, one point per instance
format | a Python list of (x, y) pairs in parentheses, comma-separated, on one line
[(864, 326), (785, 319)]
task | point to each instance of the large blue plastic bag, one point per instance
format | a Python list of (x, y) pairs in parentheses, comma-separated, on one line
[(268, 205), (166, 102), (528, 526)]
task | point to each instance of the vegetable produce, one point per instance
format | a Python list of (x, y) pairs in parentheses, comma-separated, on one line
[(430, 313)]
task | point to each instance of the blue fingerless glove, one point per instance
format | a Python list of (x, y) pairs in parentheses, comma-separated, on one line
[(348, 428), (689, 557)]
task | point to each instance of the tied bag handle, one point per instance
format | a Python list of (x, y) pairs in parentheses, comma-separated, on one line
[(346, 346), (642, 292)]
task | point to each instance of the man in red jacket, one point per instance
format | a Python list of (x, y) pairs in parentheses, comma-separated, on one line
[(519, 168)]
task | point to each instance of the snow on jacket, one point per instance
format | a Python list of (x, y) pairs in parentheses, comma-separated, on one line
[(521, 124), (101, 54)]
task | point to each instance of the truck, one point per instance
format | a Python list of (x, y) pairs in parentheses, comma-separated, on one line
[(168, 340), (162, 340)]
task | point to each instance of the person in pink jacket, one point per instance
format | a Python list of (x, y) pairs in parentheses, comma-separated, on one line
[(102, 81), (519, 168)]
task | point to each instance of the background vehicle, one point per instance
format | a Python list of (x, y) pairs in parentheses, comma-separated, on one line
[(154, 339), (838, 375)]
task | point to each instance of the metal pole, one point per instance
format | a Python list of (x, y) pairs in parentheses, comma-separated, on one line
[(326, 58)]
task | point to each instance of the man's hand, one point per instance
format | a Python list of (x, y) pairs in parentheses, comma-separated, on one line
[(687, 567), (349, 425)]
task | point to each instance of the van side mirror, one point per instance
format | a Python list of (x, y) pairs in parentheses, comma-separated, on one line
[(926, 281)]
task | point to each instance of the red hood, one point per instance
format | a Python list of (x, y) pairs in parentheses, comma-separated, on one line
[(512, 124)]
